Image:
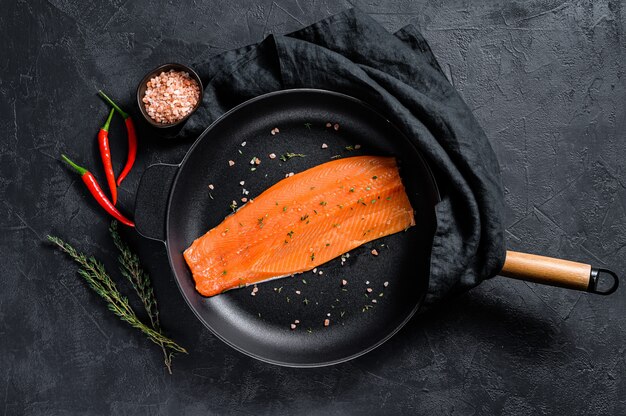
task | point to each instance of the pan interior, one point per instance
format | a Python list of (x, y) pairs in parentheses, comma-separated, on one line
[(260, 325)]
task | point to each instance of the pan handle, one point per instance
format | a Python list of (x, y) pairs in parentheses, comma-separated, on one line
[(557, 272), (152, 200)]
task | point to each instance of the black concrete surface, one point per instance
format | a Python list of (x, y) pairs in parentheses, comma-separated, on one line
[(546, 80)]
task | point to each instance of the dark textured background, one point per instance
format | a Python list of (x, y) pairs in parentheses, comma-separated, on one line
[(545, 79)]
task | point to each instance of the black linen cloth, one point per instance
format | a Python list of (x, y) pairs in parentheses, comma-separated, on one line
[(399, 75)]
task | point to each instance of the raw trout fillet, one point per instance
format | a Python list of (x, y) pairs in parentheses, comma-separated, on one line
[(301, 222)]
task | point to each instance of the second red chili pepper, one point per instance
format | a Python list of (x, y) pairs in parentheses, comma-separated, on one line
[(105, 153), (132, 138), (97, 192)]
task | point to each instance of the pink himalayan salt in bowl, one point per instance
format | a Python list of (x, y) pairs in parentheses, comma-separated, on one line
[(169, 94)]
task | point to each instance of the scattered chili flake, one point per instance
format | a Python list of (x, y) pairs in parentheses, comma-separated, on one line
[(336, 126), (386, 284), (324, 146), (272, 155), (374, 252), (326, 322), (231, 163)]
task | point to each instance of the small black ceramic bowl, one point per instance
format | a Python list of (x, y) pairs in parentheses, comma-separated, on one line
[(141, 91)]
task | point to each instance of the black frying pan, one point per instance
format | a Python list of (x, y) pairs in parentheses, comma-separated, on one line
[(175, 205)]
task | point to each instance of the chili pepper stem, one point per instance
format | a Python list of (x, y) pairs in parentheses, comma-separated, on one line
[(124, 114), (79, 169), (106, 125)]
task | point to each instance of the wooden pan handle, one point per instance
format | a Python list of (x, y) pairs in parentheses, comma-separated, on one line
[(556, 272)]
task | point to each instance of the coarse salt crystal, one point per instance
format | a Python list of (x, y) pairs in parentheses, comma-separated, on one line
[(357, 146), (344, 282), (328, 125), (243, 143), (170, 96), (211, 187), (242, 183), (369, 290), (231, 163), (293, 326), (386, 284), (375, 252), (272, 155), (324, 146), (326, 322)]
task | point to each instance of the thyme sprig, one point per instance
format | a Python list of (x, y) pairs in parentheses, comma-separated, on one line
[(131, 269), (288, 156), (100, 282)]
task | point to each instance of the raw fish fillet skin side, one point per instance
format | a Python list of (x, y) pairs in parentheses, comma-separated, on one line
[(302, 222)]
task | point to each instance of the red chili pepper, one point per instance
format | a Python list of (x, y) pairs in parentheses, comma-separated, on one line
[(132, 138), (97, 192), (105, 153)]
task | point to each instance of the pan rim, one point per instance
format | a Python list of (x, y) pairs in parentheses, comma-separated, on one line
[(419, 302)]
